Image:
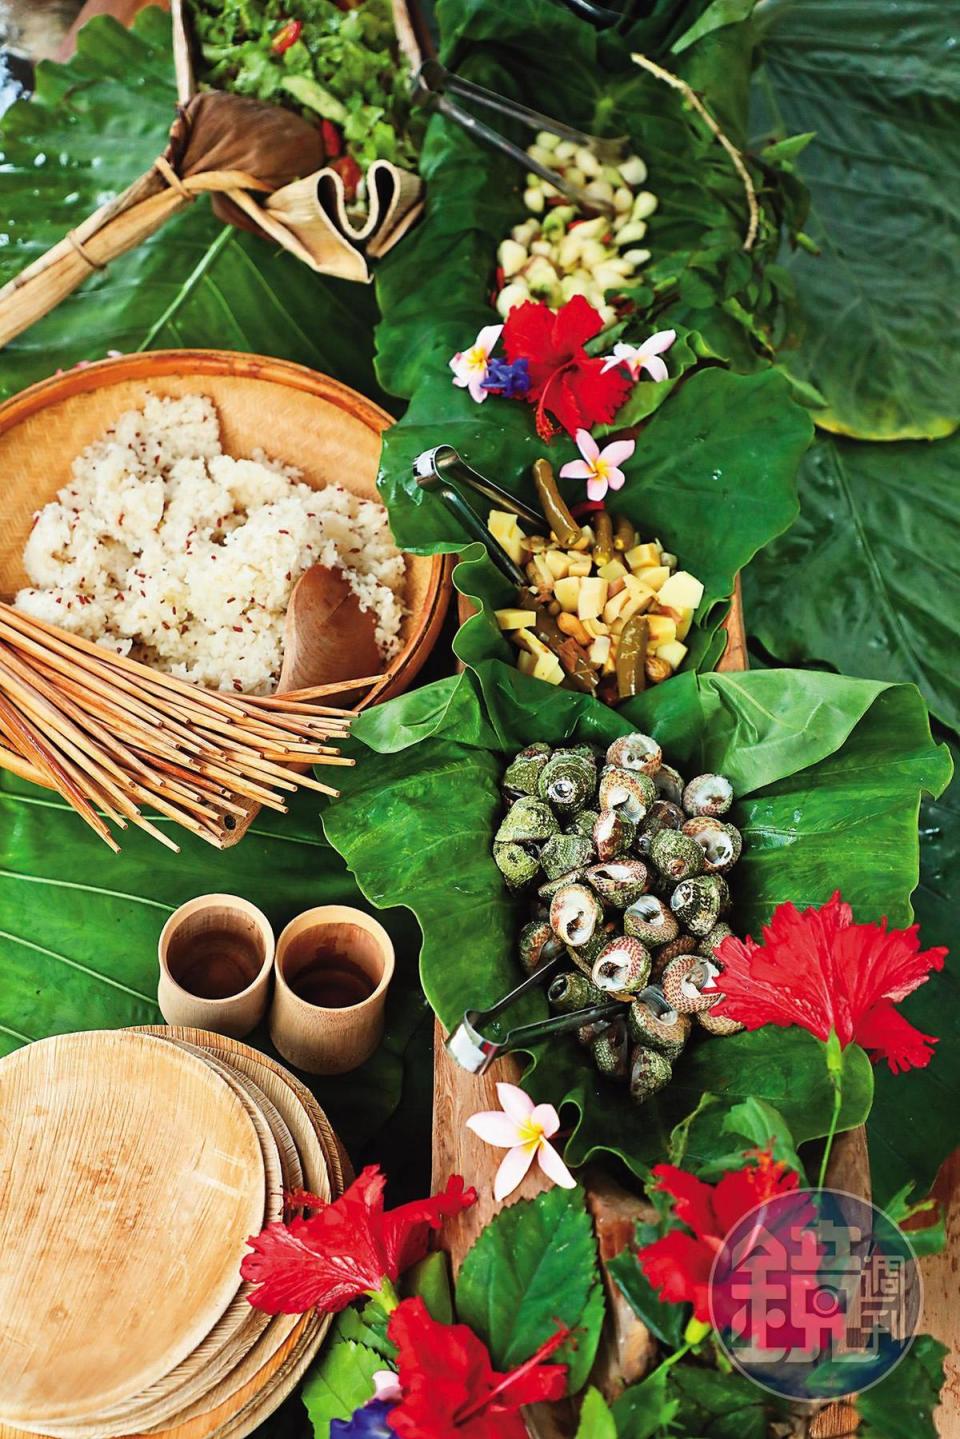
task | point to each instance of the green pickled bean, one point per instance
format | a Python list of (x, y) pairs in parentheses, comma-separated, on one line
[(554, 506), (624, 534), (631, 657), (603, 545)]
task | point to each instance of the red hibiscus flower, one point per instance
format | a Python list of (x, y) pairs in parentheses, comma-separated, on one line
[(347, 1249), (565, 381), (678, 1265), (819, 970), (450, 1388)]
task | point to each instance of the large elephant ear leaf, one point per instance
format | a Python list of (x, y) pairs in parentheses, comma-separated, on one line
[(877, 81), (829, 773)]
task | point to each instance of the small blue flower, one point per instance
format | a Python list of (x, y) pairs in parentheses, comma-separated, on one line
[(368, 1422), (507, 379)]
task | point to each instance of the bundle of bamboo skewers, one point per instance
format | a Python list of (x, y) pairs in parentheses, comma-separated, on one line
[(115, 737)]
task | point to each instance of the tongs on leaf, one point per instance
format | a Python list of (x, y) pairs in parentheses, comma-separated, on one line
[(434, 470), (473, 1049), (436, 85)]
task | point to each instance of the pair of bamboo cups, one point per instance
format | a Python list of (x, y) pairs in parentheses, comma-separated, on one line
[(329, 971)]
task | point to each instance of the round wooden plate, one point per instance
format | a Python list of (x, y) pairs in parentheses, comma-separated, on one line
[(132, 1176), (239, 1328)]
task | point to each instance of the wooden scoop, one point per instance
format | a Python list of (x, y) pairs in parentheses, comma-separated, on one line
[(326, 636)]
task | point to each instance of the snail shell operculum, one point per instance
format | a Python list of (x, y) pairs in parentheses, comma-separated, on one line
[(567, 781), (582, 822), (635, 752), (650, 920), (523, 771), (575, 913), (683, 944), (573, 991), (517, 864), (717, 1024), (696, 903), (618, 881), (622, 966), (669, 783), (689, 983), (676, 855), (613, 834), (528, 819), (649, 1073), (564, 852), (708, 794), (653, 1023), (629, 792), (721, 843), (611, 1052)]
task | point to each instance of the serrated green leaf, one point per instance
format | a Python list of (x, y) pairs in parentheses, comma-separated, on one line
[(876, 545), (579, 1357), (716, 1405), (665, 1321), (596, 1420), (645, 1409), (876, 80), (717, 15), (339, 1383), (533, 1267)]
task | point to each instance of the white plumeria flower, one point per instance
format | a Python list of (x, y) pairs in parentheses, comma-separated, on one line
[(524, 1130), (600, 468), (470, 366), (643, 357), (386, 1385)]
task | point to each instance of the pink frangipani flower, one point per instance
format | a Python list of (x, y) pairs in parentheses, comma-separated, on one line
[(524, 1130), (599, 467), (643, 357), (470, 366)]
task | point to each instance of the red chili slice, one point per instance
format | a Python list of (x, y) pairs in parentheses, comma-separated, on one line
[(332, 139), (286, 36)]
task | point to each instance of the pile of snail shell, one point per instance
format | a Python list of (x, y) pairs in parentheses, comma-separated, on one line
[(627, 867)]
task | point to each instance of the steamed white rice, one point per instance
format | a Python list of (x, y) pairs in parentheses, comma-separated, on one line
[(164, 548)]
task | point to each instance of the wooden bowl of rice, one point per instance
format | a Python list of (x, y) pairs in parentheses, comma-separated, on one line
[(329, 432)]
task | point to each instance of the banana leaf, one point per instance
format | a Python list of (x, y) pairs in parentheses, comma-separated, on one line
[(877, 81), (94, 125), (868, 579), (828, 772)]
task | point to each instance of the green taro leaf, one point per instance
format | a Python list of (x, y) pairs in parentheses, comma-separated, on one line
[(828, 772), (534, 1267), (868, 579), (79, 929), (877, 81), (901, 1406), (93, 126), (339, 1383), (915, 1124)]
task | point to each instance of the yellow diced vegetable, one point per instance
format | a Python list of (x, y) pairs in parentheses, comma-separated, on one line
[(527, 640), (684, 623), (661, 630), (674, 653), (504, 527), (581, 566), (641, 556), (638, 590), (516, 619), (544, 576), (548, 668), (593, 597), (613, 570), (654, 576), (682, 591), (599, 651), (557, 563), (612, 608), (567, 592)]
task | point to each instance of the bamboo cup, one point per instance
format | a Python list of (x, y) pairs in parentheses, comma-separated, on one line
[(216, 958), (333, 967)]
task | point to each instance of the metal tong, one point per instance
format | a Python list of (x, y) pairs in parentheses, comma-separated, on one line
[(476, 1051), (436, 85), (434, 469)]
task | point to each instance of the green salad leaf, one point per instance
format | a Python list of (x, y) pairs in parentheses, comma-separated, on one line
[(828, 773), (533, 1268), (868, 579), (94, 125), (877, 81), (340, 1383)]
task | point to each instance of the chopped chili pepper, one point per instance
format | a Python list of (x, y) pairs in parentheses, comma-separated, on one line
[(332, 139), (350, 173), (286, 36)]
